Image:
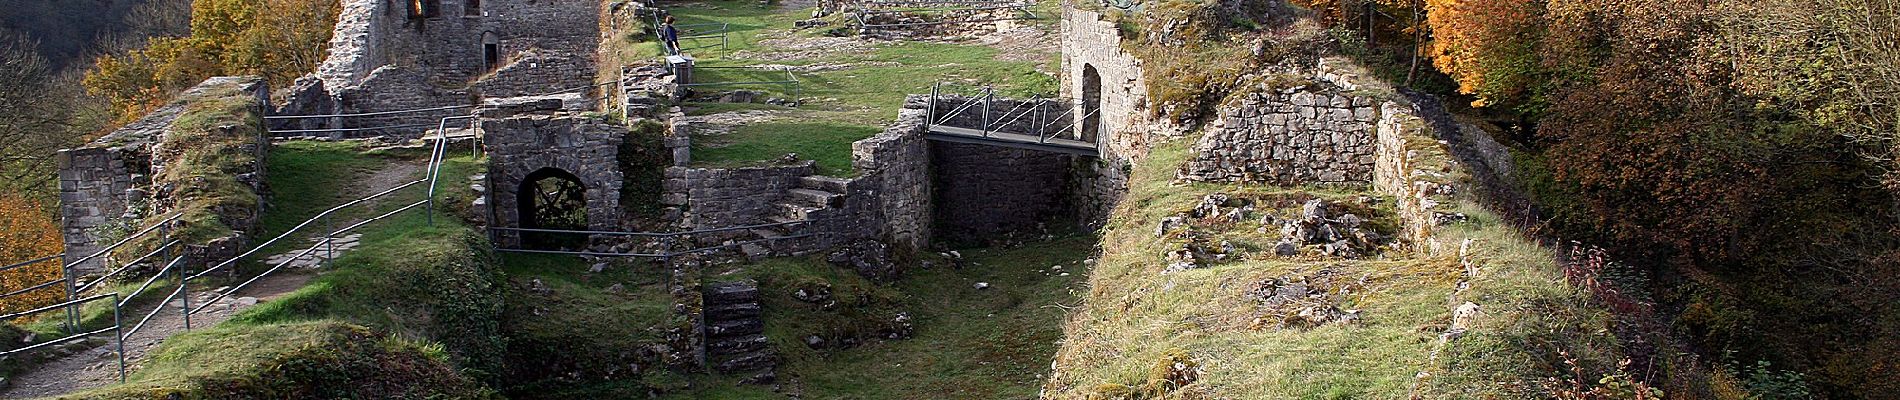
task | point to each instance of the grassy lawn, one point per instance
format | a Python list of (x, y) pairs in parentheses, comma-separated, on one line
[(968, 343), (827, 143), (854, 101)]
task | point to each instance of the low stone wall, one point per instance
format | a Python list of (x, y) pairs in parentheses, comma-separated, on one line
[(1317, 133), (986, 192), (890, 199), (1413, 168), (715, 198)]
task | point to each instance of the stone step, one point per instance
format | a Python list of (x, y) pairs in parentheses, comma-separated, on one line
[(742, 344), (825, 183), (749, 361), (732, 293), (728, 312), (814, 198), (734, 328)]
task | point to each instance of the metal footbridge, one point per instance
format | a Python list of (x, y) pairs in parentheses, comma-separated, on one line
[(1043, 124)]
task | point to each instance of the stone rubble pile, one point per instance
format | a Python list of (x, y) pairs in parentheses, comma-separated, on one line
[(1343, 236), (1303, 301)]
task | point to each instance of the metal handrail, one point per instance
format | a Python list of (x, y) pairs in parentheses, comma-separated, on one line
[(790, 78), (39, 286), (331, 237), (116, 327), (959, 111), (154, 278), (128, 239), (436, 155), (127, 265), (330, 130), (300, 226), (31, 262), (1037, 100)]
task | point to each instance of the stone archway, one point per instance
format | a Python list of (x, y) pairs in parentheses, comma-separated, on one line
[(552, 198), (1091, 104)]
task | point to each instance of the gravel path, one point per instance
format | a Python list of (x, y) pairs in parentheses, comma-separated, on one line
[(98, 366)]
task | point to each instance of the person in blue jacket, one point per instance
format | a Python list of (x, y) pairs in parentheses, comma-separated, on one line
[(670, 36)]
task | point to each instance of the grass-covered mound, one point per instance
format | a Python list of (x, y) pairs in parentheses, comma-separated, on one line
[(302, 360), (1210, 333)]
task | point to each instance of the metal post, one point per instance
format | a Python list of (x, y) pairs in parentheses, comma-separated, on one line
[(118, 328), (184, 295), (930, 110), (989, 93), (72, 292)]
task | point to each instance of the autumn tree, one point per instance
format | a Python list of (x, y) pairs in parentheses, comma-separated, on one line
[(277, 39), (27, 232)]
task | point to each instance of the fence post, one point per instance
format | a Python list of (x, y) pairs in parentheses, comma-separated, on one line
[(118, 328), (184, 296), (72, 293)]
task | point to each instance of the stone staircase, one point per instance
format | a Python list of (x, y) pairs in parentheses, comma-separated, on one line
[(814, 197), (735, 333)]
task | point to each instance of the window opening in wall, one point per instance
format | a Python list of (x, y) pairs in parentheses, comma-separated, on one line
[(473, 8), (491, 51), (423, 8)]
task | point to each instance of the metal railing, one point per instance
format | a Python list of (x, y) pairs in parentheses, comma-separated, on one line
[(70, 304), (339, 120), (1043, 112), (791, 80)]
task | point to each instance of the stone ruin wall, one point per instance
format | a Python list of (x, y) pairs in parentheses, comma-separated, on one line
[(1129, 129), (587, 147), (728, 197), (986, 192), (383, 60), (1312, 134), (106, 185)]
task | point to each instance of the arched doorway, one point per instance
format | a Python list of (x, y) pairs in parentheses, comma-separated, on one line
[(551, 198), (1091, 104)]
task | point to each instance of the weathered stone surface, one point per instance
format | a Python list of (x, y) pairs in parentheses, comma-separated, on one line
[(1311, 134), (383, 59)]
